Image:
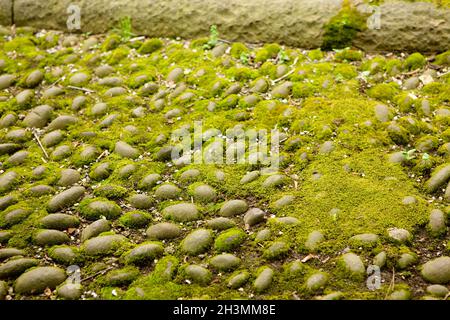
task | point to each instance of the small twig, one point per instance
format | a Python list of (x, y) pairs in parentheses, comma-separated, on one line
[(137, 39), (101, 272), (105, 152), (447, 296), (39, 143), (81, 89), (391, 285), (223, 40), (287, 74)]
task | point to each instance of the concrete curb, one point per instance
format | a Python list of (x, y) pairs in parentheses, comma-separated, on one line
[(404, 26)]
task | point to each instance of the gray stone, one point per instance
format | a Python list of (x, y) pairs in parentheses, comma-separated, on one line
[(380, 259), (411, 83), (238, 280), (38, 279), (141, 201), (253, 216), (197, 242), (8, 120), (399, 235), (8, 148), (167, 191), (13, 268), (98, 208), (18, 158), (6, 253), (7, 201), (60, 221), (125, 150), (144, 253), (189, 175), (163, 230), (24, 97), (70, 291), (364, 239), (437, 290), (149, 181), (353, 266), (99, 109), (437, 270), (275, 180), (204, 193), (62, 122), (65, 199), (175, 75), (5, 236), (3, 290), (34, 78), (198, 274), (406, 260), (95, 228), (262, 235), (314, 239), (63, 255), (16, 216), (38, 117), (225, 262), (382, 113), (115, 91), (7, 180), (438, 178), (182, 212), (249, 177), (78, 102), (68, 177), (41, 190), (220, 223), (401, 294), (79, 79), (326, 147), (263, 280), (50, 237), (52, 138), (104, 245), (101, 171), (317, 281), (233, 207), (287, 220), (276, 250), (103, 71), (282, 90), (437, 223), (283, 201), (6, 80)]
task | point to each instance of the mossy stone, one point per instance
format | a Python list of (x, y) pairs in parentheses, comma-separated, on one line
[(38, 117), (249, 177), (437, 270), (13, 268), (238, 279), (135, 219), (68, 177), (317, 281), (141, 201), (276, 250), (437, 223), (70, 291), (7, 180), (220, 223), (364, 240), (276, 180), (149, 181), (38, 279), (104, 245), (254, 216), (182, 212), (229, 240), (225, 262), (204, 193), (95, 228), (315, 238), (144, 253), (16, 216), (352, 266), (62, 122), (34, 78), (63, 255), (60, 221), (438, 178), (197, 242), (264, 279), (198, 274), (125, 150), (167, 191), (6, 253), (50, 237), (95, 208), (121, 277), (163, 230), (7, 201), (437, 290), (406, 260), (233, 207), (65, 199), (380, 259), (17, 158), (398, 235)]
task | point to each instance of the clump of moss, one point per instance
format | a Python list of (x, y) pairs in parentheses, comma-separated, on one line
[(269, 51), (415, 61), (384, 91), (303, 89), (237, 49), (150, 46), (342, 28), (135, 219), (111, 191), (348, 55), (315, 54), (443, 58), (97, 207)]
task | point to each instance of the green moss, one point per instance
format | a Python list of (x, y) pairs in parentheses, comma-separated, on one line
[(415, 61), (384, 91), (303, 89), (342, 28), (229, 239), (150, 46), (229, 102), (237, 49), (443, 58), (111, 191), (348, 55), (269, 51)]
